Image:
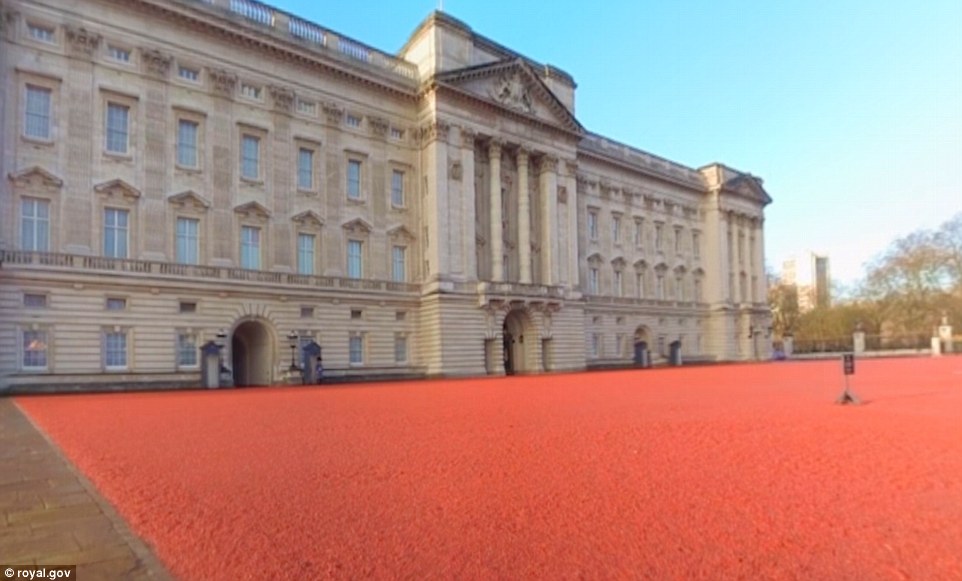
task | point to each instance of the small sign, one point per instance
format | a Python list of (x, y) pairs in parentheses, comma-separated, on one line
[(848, 362)]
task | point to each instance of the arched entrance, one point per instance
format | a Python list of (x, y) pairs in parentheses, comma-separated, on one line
[(642, 353), (252, 353), (516, 359)]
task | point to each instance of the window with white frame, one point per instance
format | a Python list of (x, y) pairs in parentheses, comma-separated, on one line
[(355, 259), (679, 287), (34, 224), (187, 241), (308, 108), (400, 348), (354, 179), (36, 122), (250, 91), (397, 133), (187, 132), (115, 349), (186, 349), (34, 349), (398, 264), (397, 188), (593, 225), (41, 32), (188, 73), (305, 253), (118, 53), (117, 128), (305, 168), (616, 229), (250, 157), (356, 349), (352, 120), (250, 247), (116, 232), (593, 280)]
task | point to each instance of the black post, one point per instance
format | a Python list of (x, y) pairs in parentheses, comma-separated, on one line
[(292, 337)]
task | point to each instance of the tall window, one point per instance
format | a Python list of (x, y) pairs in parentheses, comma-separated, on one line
[(618, 283), (41, 33), (595, 345), (593, 283), (250, 247), (660, 286), (34, 224), (698, 291), (356, 349), (677, 240), (118, 127), (34, 349), (250, 157), (400, 348), (398, 270), (355, 259), (115, 349), (354, 179), (659, 236), (696, 244), (37, 114), (116, 227), (640, 285), (305, 253), (397, 189), (186, 350), (188, 247), (616, 229), (679, 288), (638, 233), (187, 143), (305, 169), (593, 225), (741, 248)]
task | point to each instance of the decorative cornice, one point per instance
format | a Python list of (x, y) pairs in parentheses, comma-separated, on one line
[(436, 130), (309, 218), (118, 187), (333, 112), (189, 198), (379, 126), (253, 210), (8, 20), (357, 226), (222, 82), (400, 233), (82, 41), (28, 176), (156, 62), (283, 98)]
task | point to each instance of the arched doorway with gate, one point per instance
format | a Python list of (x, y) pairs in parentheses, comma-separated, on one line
[(519, 342), (642, 351), (253, 349)]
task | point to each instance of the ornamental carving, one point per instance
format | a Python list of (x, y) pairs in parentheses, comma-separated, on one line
[(379, 126), (156, 62), (223, 82), (9, 20), (582, 182), (548, 163), (334, 113), (283, 98), (468, 136), (510, 91), (562, 195), (456, 171), (436, 130), (35, 177), (82, 41), (571, 168)]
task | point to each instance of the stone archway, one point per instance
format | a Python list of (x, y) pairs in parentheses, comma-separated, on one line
[(518, 341), (642, 346), (252, 353)]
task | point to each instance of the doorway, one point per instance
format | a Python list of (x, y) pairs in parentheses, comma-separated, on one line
[(513, 344), (252, 354)]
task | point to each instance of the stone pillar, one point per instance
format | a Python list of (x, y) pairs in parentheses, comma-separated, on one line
[(571, 190), (524, 218), (468, 200), (279, 196), (548, 181), (156, 156), (438, 249), (496, 242)]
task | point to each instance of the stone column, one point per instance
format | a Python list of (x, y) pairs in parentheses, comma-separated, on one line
[(571, 188), (524, 217), (548, 181), (156, 156), (762, 283), (281, 183), (468, 200), (496, 242)]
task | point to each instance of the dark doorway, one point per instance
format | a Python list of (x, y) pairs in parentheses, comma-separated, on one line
[(252, 354)]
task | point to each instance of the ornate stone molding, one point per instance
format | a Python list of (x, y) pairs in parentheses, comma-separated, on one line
[(333, 112), (253, 211), (400, 234), (495, 147), (357, 227), (309, 218), (8, 21), (436, 130), (35, 176), (548, 163), (456, 171), (379, 126), (511, 91), (283, 98), (582, 183), (189, 200), (82, 41), (222, 82), (119, 189), (562, 195), (156, 62), (571, 168), (468, 136)]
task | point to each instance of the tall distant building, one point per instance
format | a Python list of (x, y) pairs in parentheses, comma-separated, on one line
[(181, 171), (809, 273)]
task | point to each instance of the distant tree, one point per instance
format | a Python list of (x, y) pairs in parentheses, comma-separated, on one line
[(948, 240), (783, 300)]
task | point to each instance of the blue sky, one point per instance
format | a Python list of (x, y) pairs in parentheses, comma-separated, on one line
[(850, 110)]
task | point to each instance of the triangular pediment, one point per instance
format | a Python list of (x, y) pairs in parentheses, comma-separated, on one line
[(189, 199), (119, 188), (35, 175), (357, 226), (750, 187), (309, 218), (512, 84), (401, 233), (253, 210)]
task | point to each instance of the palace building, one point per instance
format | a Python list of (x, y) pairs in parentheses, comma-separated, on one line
[(178, 170)]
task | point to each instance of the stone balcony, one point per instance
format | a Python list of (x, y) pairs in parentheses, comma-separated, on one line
[(97, 265), (636, 302)]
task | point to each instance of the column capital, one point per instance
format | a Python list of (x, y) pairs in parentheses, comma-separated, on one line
[(523, 154), (468, 136), (495, 146), (548, 163), (82, 41), (435, 130)]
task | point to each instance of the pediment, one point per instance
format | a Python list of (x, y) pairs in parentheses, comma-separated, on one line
[(253, 210), (34, 176), (512, 84), (641, 264), (118, 188), (189, 199), (357, 226), (596, 258), (618, 261), (750, 187), (309, 218), (401, 233)]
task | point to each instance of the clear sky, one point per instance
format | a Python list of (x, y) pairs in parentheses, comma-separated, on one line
[(850, 110)]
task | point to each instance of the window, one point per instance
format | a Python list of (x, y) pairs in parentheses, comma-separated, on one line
[(250, 91), (357, 314), (619, 345), (34, 301), (41, 33), (305, 169), (397, 133), (186, 350), (400, 316), (306, 107), (659, 236), (354, 179), (677, 240), (618, 283), (353, 120), (505, 267), (187, 241), (398, 269), (397, 189), (616, 229), (118, 120), (356, 349), (305, 253), (188, 74), (679, 288), (34, 349), (115, 304), (595, 345), (187, 143), (34, 225), (593, 281), (660, 287), (115, 349), (115, 232), (36, 121), (640, 285), (307, 312), (355, 261), (118, 54), (187, 307), (250, 157), (696, 244), (250, 247), (400, 348), (698, 291), (593, 225), (638, 233)]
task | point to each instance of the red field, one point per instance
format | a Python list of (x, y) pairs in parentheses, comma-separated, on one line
[(744, 471)]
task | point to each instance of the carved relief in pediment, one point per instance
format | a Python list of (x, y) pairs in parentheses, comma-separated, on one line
[(35, 177), (357, 226), (189, 200), (309, 218), (253, 211), (118, 190), (510, 90)]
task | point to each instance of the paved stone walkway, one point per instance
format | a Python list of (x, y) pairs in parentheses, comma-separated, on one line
[(50, 514)]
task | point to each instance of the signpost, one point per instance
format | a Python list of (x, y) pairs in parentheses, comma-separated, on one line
[(848, 367)]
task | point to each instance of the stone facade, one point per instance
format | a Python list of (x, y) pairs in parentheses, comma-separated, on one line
[(234, 170)]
